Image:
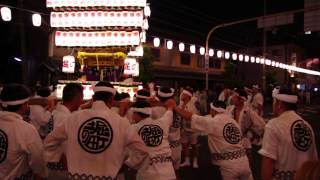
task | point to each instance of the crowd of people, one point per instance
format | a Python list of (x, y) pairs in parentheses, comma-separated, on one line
[(111, 137)]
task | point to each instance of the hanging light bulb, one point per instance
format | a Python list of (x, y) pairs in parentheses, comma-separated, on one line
[(169, 44), (156, 42), (6, 14), (181, 47), (36, 20), (211, 52), (202, 50), (240, 57), (147, 11), (219, 54), (193, 49)]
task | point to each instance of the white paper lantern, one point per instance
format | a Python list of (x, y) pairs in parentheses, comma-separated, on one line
[(262, 61), (68, 64), (147, 11), (240, 57), (181, 47), (169, 44), (226, 55), (252, 59), (36, 20), (258, 60), (234, 56), (202, 50), (219, 54), (211, 52), (193, 49), (6, 14), (246, 58), (156, 42)]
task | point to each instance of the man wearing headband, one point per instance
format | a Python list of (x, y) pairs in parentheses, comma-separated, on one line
[(188, 136), (251, 124), (96, 139), (72, 98), (224, 139), (288, 141), (155, 134), (257, 99), (164, 94), (21, 149), (142, 95)]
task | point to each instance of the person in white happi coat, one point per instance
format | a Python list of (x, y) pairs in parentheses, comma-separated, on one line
[(72, 98), (165, 93), (96, 140), (288, 141), (188, 136), (40, 116), (224, 139), (155, 134), (257, 100), (21, 149), (251, 124), (142, 95)]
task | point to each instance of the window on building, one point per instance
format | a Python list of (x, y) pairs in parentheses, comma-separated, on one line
[(155, 53), (185, 58), (201, 62), (215, 63)]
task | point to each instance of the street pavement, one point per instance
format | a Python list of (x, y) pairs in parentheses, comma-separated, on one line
[(311, 113)]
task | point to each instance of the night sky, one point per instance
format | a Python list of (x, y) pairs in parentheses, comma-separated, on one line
[(180, 20)]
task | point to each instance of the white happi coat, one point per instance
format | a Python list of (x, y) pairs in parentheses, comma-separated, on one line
[(224, 139), (60, 114), (21, 149), (96, 140), (289, 141), (251, 124), (155, 134), (174, 134), (39, 117)]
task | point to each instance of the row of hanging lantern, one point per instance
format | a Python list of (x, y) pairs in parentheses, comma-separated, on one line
[(96, 3), (6, 15), (98, 19), (235, 56)]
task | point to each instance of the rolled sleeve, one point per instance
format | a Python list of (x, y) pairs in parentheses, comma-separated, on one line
[(200, 123)]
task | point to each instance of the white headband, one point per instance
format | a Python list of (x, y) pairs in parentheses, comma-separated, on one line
[(104, 89), (186, 92), (142, 97), (147, 111), (14, 103), (218, 109), (165, 95), (287, 98)]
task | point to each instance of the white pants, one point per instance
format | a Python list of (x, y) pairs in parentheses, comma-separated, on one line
[(237, 169)]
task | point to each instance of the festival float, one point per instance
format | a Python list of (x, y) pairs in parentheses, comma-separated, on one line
[(103, 37)]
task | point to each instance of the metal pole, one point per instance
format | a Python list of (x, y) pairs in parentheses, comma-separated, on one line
[(25, 72)]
